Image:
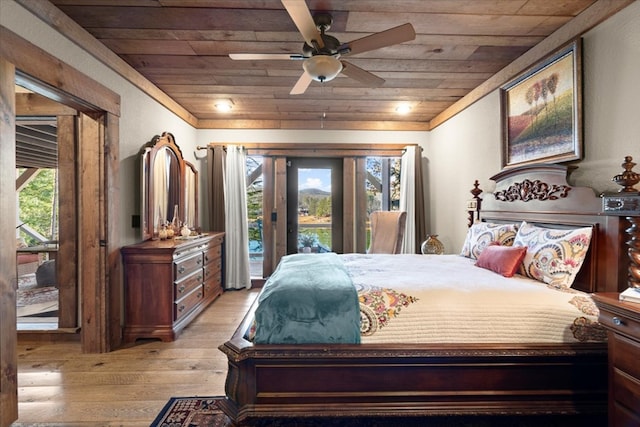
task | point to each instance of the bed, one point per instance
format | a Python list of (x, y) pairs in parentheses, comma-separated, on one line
[(447, 373)]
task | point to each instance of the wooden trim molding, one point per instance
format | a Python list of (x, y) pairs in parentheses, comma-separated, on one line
[(53, 17), (64, 84), (319, 150)]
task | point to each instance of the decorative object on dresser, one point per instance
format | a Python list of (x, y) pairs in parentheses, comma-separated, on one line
[(168, 283), (622, 321), (432, 246), (626, 203)]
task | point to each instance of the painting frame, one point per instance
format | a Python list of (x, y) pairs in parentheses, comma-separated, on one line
[(541, 110)]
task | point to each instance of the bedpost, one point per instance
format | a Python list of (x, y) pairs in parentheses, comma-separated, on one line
[(473, 205)]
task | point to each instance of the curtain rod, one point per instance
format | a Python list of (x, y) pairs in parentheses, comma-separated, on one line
[(204, 147)]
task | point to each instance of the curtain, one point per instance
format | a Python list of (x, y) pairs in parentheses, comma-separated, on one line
[(215, 183), (237, 229), (412, 199), (190, 188)]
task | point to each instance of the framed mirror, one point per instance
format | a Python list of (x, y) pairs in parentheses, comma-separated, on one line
[(169, 186)]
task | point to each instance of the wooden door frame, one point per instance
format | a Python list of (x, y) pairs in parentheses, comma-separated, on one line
[(99, 274), (8, 273)]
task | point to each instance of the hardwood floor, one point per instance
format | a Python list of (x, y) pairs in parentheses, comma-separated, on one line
[(60, 386)]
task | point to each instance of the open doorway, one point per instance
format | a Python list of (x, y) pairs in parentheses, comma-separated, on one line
[(37, 228)]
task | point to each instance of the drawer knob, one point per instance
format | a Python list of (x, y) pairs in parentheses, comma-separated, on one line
[(181, 269), (617, 321)]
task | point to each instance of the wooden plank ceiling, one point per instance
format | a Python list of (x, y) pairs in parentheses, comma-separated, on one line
[(182, 46)]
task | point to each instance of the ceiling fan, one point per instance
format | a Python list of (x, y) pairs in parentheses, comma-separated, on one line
[(321, 52)]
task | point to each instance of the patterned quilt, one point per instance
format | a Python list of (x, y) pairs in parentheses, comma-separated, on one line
[(447, 299)]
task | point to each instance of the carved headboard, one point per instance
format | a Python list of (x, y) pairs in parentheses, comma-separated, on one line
[(540, 194)]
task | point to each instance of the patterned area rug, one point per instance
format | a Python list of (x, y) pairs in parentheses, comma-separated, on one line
[(191, 411), (29, 292), (204, 412), (32, 300)]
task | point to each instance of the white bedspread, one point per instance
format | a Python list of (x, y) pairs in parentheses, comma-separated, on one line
[(447, 299)]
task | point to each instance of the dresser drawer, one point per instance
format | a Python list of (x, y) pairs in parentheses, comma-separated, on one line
[(213, 285), (622, 417), (212, 254), (620, 323), (625, 354), (212, 268), (183, 306), (186, 266), (187, 284), (626, 391)]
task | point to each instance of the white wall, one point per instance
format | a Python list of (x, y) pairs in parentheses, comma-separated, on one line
[(467, 147)]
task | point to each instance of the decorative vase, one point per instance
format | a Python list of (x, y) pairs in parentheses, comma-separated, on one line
[(185, 230), (432, 245)]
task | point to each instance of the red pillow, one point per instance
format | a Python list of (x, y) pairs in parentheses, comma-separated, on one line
[(503, 260)]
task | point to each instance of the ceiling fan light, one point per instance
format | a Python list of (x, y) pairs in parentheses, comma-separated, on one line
[(322, 68)]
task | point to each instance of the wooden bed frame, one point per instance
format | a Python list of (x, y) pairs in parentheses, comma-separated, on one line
[(433, 379)]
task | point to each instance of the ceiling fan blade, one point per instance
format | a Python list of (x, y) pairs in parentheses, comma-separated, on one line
[(363, 76), (396, 35), (301, 16), (301, 85), (266, 56)]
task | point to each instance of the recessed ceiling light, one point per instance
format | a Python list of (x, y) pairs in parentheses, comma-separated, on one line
[(403, 109), (224, 105)]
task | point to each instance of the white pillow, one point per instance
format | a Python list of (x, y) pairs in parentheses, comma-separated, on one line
[(554, 256), (482, 234)]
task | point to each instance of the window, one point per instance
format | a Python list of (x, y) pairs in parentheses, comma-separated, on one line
[(382, 186), (255, 214)]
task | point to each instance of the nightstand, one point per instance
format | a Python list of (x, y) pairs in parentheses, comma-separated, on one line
[(622, 320)]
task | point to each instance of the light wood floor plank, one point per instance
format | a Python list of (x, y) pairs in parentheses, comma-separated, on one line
[(58, 385)]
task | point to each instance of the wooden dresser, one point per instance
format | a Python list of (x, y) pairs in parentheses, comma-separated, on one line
[(622, 319), (168, 283)]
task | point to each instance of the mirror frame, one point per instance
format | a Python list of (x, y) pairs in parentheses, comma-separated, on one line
[(177, 176)]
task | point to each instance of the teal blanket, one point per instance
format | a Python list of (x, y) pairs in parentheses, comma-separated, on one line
[(309, 299)]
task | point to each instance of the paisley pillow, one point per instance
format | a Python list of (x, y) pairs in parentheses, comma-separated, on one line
[(554, 256), (482, 234)]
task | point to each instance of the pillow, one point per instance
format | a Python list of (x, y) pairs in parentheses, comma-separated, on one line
[(554, 256), (481, 234), (503, 260)]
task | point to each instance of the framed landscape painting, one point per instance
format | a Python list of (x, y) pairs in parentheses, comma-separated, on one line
[(542, 111)]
